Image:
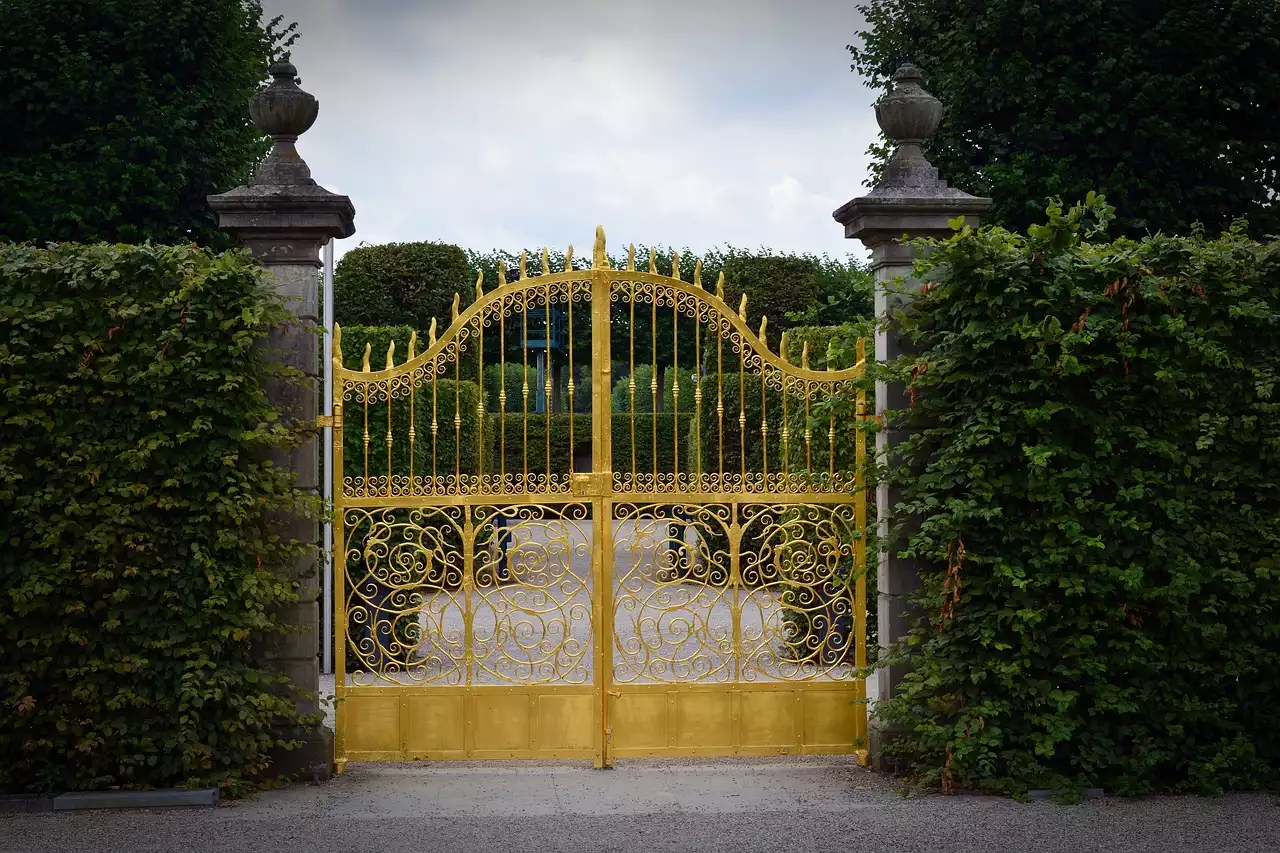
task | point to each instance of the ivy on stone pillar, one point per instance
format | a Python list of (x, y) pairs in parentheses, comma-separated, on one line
[(285, 218), (909, 201)]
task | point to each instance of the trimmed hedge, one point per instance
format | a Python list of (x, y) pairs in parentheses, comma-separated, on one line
[(561, 445), (776, 285), (1096, 486), (401, 284), (137, 558), (452, 445)]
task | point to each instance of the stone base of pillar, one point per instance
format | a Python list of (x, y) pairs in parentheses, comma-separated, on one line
[(310, 762), (880, 735)]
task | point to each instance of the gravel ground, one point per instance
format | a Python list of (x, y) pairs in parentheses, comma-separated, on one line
[(807, 804)]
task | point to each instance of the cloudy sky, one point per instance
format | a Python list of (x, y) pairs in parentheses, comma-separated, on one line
[(522, 123)]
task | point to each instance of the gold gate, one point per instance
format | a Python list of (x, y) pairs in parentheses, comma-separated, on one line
[(692, 585)]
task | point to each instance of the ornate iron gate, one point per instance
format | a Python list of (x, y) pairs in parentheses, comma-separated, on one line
[(697, 589)]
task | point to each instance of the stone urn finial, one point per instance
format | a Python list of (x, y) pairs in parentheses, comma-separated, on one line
[(284, 112), (908, 115)]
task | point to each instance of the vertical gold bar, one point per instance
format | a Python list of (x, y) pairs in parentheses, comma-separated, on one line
[(720, 404), (631, 379), (742, 409), (831, 424), (697, 394), (808, 429), (573, 436), (338, 550), (468, 591), (457, 420), (735, 581), (860, 546), (435, 426), (602, 507), (764, 424), (786, 420), (480, 381), (502, 396), (413, 399), (546, 385), (653, 386), (524, 379), (675, 388), (390, 388)]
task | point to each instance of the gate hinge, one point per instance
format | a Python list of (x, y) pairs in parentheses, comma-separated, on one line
[(591, 485), (323, 421)]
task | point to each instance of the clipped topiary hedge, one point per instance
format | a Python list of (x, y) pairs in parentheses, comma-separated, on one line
[(401, 284), (776, 286), (1096, 483), (137, 562), (454, 448)]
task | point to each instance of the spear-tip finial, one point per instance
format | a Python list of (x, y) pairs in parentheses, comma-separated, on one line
[(720, 285), (457, 302), (368, 351), (502, 273), (653, 261), (524, 270), (413, 345), (431, 333), (675, 265), (480, 281), (804, 356), (546, 261), (631, 258), (391, 355), (831, 354), (337, 345), (568, 259), (742, 308), (599, 260), (697, 273), (764, 327), (782, 348)]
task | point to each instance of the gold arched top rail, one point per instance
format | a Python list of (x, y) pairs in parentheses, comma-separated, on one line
[(488, 303)]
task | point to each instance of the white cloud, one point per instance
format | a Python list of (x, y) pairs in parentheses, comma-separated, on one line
[(514, 124)]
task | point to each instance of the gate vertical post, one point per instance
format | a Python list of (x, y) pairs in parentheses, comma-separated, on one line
[(908, 202), (284, 218), (602, 478)]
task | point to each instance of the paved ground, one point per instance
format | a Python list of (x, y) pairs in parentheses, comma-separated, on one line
[(806, 805)]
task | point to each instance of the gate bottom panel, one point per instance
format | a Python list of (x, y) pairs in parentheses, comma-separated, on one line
[(737, 719), (461, 723)]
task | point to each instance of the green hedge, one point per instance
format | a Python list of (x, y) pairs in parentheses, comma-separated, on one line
[(397, 284), (451, 445), (776, 286), (134, 510), (1096, 483), (561, 445)]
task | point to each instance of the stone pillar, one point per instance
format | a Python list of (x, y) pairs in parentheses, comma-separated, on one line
[(909, 201), (285, 218)]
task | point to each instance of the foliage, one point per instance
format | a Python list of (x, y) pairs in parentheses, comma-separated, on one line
[(512, 377), (454, 448), (1094, 479), (1171, 109), (531, 455), (121, 116), (621, 395), (401, 284), (138, 559), (776, 286), (846, 293)]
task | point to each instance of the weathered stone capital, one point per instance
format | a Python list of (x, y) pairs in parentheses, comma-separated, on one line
[(910, 198), (282, 215)]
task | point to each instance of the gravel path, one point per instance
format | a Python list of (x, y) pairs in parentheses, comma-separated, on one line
[(807, 805)]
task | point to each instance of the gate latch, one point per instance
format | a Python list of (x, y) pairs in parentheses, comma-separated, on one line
[(591, 485)]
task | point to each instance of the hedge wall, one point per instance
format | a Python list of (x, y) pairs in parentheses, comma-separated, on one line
[(396, 284), (560, 442), (1096, 483), (451, 445), (134, 515)]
